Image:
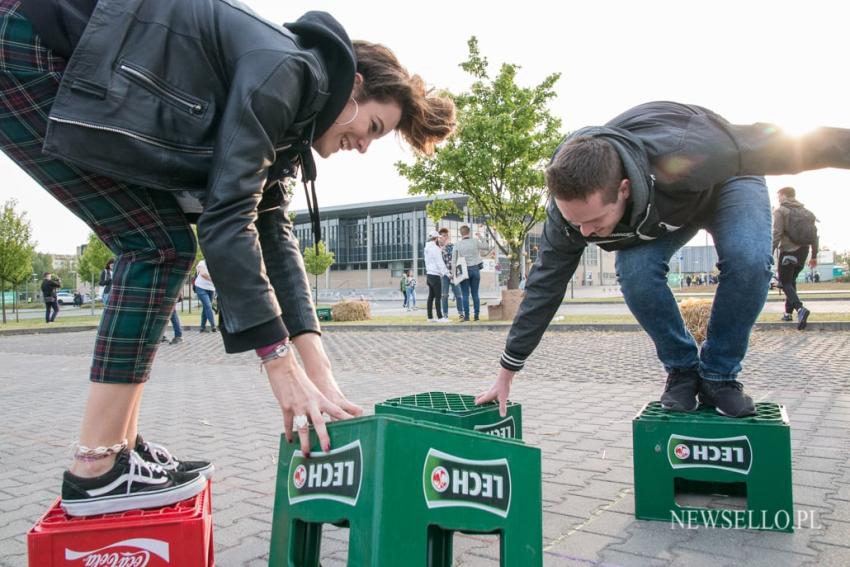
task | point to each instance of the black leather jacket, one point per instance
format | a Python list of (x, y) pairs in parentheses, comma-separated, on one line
[(206, 99), (674, 156)]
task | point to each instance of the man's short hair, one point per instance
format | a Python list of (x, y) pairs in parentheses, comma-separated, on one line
[(788, 192), (582, 167), (464, 229), (443, 230)]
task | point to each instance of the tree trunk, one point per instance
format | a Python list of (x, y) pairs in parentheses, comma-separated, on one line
[(514, 273), (3, 302)]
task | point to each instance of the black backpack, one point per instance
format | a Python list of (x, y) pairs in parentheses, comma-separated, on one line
[(800, 226)]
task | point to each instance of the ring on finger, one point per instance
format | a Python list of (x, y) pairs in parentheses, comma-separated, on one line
[(300, 422)]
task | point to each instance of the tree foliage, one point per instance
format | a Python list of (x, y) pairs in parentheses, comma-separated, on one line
[(505, 135), (317, 263), (16, 251), (93, 259), (317, 260)]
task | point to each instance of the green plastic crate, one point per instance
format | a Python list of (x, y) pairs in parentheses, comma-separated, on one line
[(324, 314), (713, 457), (457, 410), (402, 488)]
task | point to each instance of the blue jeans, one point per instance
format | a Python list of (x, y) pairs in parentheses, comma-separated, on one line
[(471, 284), (741, 227), (205, 297), (175, 323), (444, 298), (411, 297)]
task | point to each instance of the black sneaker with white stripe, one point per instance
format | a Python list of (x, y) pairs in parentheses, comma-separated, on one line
[(159, 455), (130, 484)]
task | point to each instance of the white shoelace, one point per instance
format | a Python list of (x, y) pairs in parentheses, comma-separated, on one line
[(162, 456), (142, 469)]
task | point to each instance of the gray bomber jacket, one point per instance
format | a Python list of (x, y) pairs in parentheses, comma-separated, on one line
[(205, 98), (674, 156)]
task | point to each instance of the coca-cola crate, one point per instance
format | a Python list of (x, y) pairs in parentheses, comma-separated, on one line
[(179, 535)]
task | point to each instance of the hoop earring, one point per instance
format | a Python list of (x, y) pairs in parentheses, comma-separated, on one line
[(356, 112)]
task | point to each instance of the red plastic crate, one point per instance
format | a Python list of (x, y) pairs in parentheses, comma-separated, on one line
[(173, 536)]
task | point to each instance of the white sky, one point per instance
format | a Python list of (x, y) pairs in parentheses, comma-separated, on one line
[(751, 61)]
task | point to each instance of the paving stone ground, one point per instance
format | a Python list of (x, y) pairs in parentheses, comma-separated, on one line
[(579, 394)]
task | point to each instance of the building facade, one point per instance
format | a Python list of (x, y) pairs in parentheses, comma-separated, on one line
[(374, 243)]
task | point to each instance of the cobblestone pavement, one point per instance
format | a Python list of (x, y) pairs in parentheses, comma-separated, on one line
[(579, 394)]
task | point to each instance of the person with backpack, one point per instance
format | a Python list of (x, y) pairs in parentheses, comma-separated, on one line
[(794, 233)]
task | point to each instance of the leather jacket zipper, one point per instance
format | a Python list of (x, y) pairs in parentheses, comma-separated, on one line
[(137, 136), (191, 106)]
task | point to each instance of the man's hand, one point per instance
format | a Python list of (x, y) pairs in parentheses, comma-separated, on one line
[(500, 390)]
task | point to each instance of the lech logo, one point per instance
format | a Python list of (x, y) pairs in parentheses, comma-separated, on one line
[(450, 481), (505, 428), (728, 453), (335, 475)]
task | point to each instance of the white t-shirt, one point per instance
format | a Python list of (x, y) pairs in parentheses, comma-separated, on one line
[(201, 281)]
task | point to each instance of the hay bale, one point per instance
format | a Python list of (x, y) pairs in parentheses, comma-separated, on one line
[(696, 313), (351, 311)]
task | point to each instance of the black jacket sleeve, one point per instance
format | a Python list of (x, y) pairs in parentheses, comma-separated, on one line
[(285, 267), (258, 114), (561, 248)]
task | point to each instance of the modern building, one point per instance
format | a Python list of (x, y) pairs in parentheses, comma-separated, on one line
[(375, 242)]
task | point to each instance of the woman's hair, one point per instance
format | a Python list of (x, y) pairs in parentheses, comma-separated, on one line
[(109, 263), (427, 117)]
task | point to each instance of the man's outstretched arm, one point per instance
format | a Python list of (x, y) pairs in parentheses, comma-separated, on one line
[(561, 248)]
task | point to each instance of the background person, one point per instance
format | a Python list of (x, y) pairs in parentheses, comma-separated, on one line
[(435, 269), (410, 287), (791, 255), (106, 280), (246, 102), (470, 249), (447, 281), (49, 285), (205, 289)]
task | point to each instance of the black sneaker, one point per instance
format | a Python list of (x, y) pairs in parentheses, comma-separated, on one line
[(130, 484), (159, 455), (787, 317), (727, 397), (176, 340), (802, 318), (680, 391)]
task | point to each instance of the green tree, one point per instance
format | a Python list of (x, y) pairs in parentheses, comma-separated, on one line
[(92, 261), (41, 263), (505, 135), (16, 251), (317, 260)]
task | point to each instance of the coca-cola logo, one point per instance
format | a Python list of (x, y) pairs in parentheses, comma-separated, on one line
[(126, 553), (117, 559)]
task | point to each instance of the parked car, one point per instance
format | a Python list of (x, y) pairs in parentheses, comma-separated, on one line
[(67, 298)]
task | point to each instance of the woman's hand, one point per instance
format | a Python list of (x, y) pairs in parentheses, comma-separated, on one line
[(500, 390), (297, 395), (318, 369)]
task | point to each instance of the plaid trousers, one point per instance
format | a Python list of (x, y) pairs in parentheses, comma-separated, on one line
[(153, 242)]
